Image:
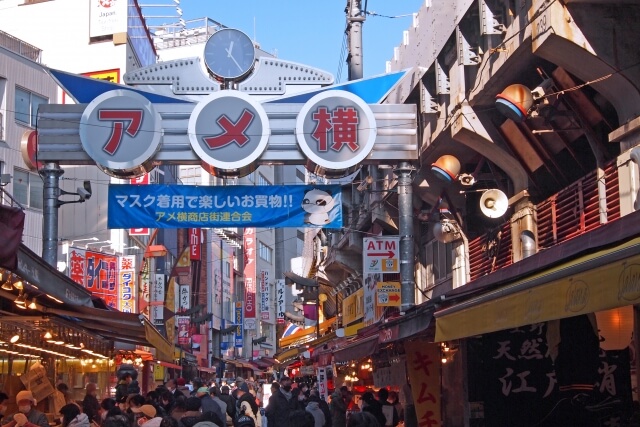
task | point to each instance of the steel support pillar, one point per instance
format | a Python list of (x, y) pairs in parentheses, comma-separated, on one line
[(51, 175), (405, 228)]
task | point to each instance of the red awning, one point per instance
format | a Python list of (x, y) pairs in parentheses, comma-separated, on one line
[(168, 365), (206, 369)]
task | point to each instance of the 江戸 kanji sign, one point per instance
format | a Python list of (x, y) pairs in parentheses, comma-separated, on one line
[(185, 206)]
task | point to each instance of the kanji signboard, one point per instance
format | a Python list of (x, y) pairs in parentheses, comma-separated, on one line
[(388, 294), (381, 254)]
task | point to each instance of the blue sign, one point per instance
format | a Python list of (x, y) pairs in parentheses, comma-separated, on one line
[(239, 314), (190, 206)]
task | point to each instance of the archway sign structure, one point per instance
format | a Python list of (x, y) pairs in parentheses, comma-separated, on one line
[(175, 112)]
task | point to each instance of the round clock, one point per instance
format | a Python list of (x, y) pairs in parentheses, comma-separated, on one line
[(229, 54)]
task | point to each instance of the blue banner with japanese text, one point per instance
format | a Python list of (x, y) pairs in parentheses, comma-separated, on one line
[(190, 206)]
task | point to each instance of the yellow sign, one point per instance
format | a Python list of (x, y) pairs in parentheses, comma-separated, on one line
[(388, 294), (353, 307), (616, 284)]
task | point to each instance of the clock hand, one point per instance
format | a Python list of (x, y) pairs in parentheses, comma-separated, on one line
[(235, 62), (230, 49)]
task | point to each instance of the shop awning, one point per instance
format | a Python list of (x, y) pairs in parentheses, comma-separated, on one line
[(306, 332), (168, 365), (50, 281), (164, 349), (359, 349), (286, 357), (119, 327), (207, 369), (605, 279)]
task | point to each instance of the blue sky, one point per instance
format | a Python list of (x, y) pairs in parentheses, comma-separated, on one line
[(308, 32)]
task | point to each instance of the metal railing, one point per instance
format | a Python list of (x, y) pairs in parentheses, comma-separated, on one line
[(20, 47)]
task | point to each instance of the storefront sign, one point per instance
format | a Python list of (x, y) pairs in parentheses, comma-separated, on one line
[(127, 284), (157, 300), (265, 297), (184, 297), (424, 367), (381, 254), (280, 306), (388, 294), (336, 129), (183, 330), (107, 17), (323, 391), (77, 265), (184, 206), (239, 321), (249, 248), (353, 307), (101, 276), (195, 240)]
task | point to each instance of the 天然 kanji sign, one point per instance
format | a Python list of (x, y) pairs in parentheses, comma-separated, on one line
[(184, 206)]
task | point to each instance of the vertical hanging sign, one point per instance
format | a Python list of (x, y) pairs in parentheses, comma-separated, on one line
[(280, 301), (127, 284), (265, 297), (77, 265), (194, 244), (238, 320), (184, 296), (249, 239), (157, 300), (183, 330)]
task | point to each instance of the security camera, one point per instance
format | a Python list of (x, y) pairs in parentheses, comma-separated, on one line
[(85, 191), (84, 194)]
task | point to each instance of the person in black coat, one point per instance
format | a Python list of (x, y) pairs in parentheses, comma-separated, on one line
[(281, 404), (90, 404), (371, 405)]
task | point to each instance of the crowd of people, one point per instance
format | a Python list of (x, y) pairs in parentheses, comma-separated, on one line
[(176, 404)]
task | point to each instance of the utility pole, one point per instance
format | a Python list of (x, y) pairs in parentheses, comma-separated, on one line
[(355, 19)]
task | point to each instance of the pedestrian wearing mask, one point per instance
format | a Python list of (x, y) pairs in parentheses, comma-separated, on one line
[(281, 404), (27, 415)]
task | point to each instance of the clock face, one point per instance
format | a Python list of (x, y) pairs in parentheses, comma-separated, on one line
[(229, 54)]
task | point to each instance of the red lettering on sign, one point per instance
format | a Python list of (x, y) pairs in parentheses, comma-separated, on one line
[(344, 124), (233, 132), (323, 118), (132, 117)]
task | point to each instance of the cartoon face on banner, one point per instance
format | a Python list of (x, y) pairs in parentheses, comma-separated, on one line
[(318, 205)]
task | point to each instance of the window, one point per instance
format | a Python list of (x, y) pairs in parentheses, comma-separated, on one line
[(27, 188), (439, 262), (26, 106), (264, 252), (301, 176), (227, 269)]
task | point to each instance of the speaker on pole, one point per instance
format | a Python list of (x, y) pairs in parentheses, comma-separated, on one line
[(494, 203)]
